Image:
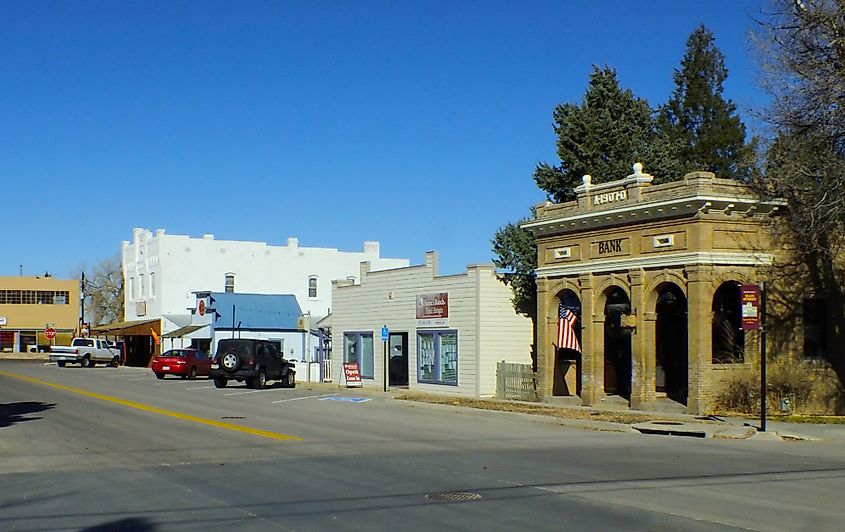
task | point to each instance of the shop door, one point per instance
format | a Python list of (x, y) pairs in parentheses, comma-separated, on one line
[(617, 345), (671, 344), (139, 351), (398, 364)]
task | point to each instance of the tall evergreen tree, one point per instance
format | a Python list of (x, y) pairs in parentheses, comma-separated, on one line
[(603, 137), (698, 117), (516, 252)]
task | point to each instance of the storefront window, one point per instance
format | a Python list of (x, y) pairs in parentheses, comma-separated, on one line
[(815, 328), (437, 354), (358, 347)]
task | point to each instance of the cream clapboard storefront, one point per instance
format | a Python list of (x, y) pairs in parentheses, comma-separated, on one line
[(446, 333)]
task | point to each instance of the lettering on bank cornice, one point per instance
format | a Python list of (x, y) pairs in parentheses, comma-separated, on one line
[(610, 197), (612, 246)]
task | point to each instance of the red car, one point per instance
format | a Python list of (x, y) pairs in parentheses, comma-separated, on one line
[(187, 363)]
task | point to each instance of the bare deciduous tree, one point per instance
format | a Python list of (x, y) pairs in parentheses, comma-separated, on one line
[(802, 52), (103, 291)]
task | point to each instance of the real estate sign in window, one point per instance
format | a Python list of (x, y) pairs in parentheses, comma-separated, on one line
[(437, 356)]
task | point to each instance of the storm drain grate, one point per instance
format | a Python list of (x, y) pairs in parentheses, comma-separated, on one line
[(233, 417), (454, 496)]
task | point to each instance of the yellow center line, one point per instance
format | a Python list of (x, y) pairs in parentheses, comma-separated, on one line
[(156, 410)]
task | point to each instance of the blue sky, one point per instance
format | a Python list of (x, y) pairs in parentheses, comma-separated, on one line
[(416, 124)]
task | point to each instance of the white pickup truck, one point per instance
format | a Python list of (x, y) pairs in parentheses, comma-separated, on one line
[(85, 352)]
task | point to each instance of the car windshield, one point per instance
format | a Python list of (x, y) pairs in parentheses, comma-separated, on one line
[(174, 353), (239, 347)]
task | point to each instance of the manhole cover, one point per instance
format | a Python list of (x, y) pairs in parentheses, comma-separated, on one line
[(454, 496)]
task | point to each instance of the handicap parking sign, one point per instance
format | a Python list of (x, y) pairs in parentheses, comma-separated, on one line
[(385, 333)]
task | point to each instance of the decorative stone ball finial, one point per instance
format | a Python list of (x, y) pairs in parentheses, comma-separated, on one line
[(587, 179), (638, 168)]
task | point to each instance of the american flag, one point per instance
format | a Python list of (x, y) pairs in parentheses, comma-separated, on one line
[(566, 338)]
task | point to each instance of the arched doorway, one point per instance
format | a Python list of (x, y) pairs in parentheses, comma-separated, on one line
[(727, 335), (671, 356), (617, 344), (567, 376)]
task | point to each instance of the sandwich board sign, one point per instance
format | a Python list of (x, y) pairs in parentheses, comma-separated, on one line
[(352, 375)]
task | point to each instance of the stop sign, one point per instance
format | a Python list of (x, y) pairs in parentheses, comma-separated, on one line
[(50, 333)]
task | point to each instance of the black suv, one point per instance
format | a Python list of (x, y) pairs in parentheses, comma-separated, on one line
[(253, 361)]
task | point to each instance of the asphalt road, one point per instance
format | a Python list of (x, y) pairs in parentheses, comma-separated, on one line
[(116, 449)]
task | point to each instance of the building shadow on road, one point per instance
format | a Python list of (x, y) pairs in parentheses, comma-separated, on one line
[(133, 524), (11, 413)]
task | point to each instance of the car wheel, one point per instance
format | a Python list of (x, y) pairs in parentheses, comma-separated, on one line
[(220, 382), (115, 362), (87, 362), (159, 375), (290, 379), (230, 362), (193, 374), (60, 363), (260, 381)]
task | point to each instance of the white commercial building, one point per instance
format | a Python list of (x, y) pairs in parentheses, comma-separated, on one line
[(429, 332), (162, 273)]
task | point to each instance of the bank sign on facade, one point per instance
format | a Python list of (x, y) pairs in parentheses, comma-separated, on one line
[(433, 310)]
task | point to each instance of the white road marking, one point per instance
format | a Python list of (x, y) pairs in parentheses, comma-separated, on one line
[(306, 397), (251, 391)]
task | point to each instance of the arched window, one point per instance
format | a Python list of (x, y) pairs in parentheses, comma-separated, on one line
[(230, 283), (727, 335), (312, 286)]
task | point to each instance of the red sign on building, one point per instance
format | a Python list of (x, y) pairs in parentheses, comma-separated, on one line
[(433, 309), (750, 307), (352, 374)]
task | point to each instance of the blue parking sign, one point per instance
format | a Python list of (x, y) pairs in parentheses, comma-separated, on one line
[(385, 333)]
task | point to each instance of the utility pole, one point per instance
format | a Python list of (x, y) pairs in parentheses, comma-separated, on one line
[(82, 302)]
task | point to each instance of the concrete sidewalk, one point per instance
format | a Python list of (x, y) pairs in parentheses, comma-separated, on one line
[(24, 356)]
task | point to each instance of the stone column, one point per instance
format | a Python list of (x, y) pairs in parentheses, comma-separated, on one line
[(592, 340), (699, 327), (640, 392), (647, 327), (544, 349)]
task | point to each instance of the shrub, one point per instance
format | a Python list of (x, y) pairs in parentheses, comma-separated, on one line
[(810, 387)]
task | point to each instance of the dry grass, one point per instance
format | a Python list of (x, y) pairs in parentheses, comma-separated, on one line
[(810, 390)]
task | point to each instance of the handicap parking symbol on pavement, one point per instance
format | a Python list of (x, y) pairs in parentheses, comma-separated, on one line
[(346, 399)]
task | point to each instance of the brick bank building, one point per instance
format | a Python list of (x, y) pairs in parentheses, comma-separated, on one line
[(653, 273)]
